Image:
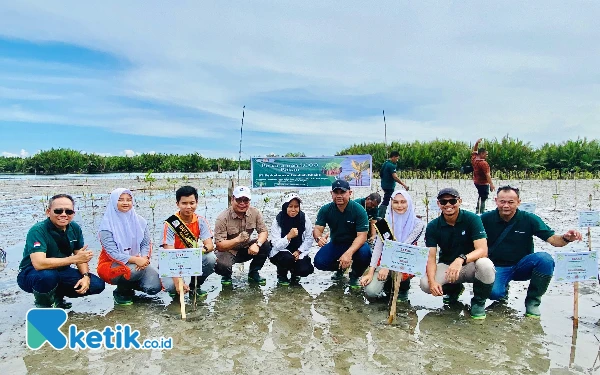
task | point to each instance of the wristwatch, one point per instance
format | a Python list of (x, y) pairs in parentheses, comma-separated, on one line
[(259, 243), (86, 274), (464, 258)]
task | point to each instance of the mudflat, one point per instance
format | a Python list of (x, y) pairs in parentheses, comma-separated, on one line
[(319, 327)]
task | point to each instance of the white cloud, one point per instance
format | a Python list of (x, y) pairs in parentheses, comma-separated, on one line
[(129, 153), (22, 154), (441, 70)]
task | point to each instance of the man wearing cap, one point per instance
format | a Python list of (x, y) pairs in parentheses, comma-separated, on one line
[(233, 229), (463, 254), (482, 177), (348, 227), (510, 238), (389, 177)]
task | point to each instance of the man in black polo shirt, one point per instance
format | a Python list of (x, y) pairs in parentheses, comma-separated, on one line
[(348, 226), (370, 204), (52, 246), (510, 235), (463, 251)]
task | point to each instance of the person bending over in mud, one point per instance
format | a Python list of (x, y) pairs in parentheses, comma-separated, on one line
[(510, 238), (370, 203), (51, 248)]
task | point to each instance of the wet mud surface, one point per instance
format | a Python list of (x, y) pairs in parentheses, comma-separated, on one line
[(319, 327)]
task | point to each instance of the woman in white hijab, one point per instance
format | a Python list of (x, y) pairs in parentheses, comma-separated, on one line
[(126, 249), (407, 228)]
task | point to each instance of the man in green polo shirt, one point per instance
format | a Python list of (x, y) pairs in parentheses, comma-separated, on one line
[(370, 203), (52, 246), (348, 226), (463, 254), (510, 236), (389, 177)]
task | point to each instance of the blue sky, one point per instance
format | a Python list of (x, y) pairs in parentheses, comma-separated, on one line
[(146, 76)]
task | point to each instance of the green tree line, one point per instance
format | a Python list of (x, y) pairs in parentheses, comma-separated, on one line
[(508, 157), (60, 161)]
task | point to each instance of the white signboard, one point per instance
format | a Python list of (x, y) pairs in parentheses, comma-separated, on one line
[(404, 258), (180, 262), (579, 266), (589, 219), (528, 207)]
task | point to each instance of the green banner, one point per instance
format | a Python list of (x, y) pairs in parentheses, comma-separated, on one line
[(311, 172)]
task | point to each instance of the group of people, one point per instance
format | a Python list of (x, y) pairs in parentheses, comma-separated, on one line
[(488, 250)]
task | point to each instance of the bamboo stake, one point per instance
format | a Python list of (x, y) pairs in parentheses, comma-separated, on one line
[(397, 277), (181, 298)]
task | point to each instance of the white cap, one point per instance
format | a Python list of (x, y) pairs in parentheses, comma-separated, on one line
[(288, 197), (242, 191)]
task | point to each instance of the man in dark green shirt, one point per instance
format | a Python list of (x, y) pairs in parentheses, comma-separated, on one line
[(389, 177), (348, 226), (52, 246), (370, 203), (463, 251), (510, 235)]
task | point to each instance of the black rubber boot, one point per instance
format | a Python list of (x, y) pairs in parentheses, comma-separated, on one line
[(45, 300)]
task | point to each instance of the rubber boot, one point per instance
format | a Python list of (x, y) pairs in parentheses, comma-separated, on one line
[(481, 292), (282, 278), (61, 303), (538, 285), (254, 277), (195, 283), (452, 292), (403, 290), (45, 300)]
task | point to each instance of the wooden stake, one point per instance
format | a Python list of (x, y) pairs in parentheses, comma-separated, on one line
[(182, 298), (575, 304), (397, 277)]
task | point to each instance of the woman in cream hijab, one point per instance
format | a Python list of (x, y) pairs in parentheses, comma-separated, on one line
[(407, 228)]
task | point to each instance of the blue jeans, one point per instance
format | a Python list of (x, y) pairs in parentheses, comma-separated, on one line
[(145, 280), (327, 258), (64, 280), (540, 262)]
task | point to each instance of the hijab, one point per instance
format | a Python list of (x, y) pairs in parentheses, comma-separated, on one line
[(127, 228), (402, 224), (286, 223)]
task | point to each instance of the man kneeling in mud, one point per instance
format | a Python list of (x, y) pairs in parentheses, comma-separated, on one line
[(52, 246)]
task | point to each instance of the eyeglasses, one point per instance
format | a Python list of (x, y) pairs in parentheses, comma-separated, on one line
[(444, 202), (59, 211), (242, 200)]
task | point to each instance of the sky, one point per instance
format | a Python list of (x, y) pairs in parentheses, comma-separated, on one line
[(129, 77)]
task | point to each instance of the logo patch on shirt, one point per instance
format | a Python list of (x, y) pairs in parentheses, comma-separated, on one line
[(463, 232), (519, 232), (37, 244)]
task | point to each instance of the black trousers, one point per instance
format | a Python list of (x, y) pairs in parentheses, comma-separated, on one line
[(285, 262)]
